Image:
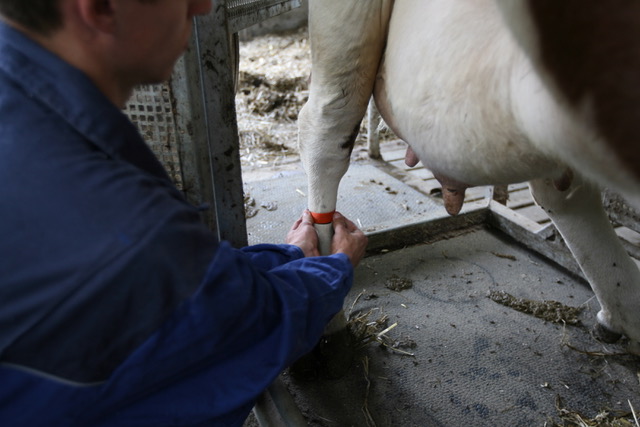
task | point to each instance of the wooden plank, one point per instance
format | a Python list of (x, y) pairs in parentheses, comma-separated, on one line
[(395, 156), (543, 240), (534, 213), (518, 186), (520, 198), (476, 193), (630, 240), (421, 173), (620, 211), (396, 163), (434, 229)]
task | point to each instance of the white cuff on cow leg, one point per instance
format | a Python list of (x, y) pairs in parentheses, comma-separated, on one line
[(325, 234)]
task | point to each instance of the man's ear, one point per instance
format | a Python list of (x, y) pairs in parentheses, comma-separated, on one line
[(97, 14)]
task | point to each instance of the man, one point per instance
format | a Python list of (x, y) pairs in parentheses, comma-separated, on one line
[(117, 306)]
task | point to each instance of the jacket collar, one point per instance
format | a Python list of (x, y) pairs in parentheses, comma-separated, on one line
[(69, 93)]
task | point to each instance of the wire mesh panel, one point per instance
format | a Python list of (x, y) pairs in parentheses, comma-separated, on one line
[(190, 122), (150, 108)]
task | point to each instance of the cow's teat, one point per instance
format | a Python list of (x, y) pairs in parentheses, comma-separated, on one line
[(410, 158), (452, 192)]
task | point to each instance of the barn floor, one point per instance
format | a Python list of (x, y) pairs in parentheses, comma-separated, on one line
[(455, 356), (461, 358)]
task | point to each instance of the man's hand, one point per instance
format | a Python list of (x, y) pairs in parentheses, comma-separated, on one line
[(348, 239), (303, 235)]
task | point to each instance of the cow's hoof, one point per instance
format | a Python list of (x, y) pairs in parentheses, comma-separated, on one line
[(330, 359), (604, 334)]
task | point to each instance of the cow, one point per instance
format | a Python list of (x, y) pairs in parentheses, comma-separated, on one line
[(489, 92)]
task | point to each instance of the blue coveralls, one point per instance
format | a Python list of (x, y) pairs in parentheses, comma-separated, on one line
[(118, 307)]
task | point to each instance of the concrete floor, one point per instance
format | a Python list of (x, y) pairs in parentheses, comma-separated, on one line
[(473, 361), (371, 198)]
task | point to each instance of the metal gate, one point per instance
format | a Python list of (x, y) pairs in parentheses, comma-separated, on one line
[(190, 121)]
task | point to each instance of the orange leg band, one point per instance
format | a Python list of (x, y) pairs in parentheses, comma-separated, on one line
[(322, 218)]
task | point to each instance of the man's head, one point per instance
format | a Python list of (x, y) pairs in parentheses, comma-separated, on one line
[(39, 16), (119, 44)]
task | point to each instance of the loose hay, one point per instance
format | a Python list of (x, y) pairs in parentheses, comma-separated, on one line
[(396, 283), (604, 418), (365, 331), (277, 100), (551, 311), (365, 405), (273, 85), (250, 209)]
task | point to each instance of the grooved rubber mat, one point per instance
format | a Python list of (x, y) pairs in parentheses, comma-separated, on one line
[(476, 362), (371, 198)]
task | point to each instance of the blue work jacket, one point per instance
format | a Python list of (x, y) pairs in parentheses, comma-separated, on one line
[(118, 307)]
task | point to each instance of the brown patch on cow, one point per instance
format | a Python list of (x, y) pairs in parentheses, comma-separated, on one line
[(592, 51)]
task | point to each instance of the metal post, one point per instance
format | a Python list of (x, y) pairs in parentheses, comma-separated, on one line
[(213, 46)]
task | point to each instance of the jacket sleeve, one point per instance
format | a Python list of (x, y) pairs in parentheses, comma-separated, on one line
[(267, 256), (231, 339)]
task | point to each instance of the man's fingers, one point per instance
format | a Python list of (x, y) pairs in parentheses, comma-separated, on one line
[(338, 221), (341, 221), (306, 217), (296, 224), (351, 226)]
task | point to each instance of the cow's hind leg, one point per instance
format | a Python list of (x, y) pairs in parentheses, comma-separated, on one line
[(347, 40), (615, 279)]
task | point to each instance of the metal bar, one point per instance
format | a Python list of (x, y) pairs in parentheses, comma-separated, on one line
[(219, 134), (245, 13), (215, 50), (194, 157), (373, 134), (276, 407)]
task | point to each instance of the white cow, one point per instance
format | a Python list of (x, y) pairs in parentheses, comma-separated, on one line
[(555, 101)]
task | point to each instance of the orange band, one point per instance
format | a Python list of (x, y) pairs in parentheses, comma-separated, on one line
[(322, 218)]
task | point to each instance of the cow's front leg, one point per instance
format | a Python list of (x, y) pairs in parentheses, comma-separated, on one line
[(347, 40), (615, 279)]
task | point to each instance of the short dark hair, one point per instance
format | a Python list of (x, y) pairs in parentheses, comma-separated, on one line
[(40, 16)]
